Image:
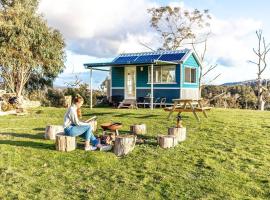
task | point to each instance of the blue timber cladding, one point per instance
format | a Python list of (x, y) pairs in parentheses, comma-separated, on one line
[(118, 92), (168, 93), (190, 62), (118, 76), (142, 76)]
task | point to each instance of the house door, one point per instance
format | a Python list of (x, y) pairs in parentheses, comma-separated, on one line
[(130, 82)]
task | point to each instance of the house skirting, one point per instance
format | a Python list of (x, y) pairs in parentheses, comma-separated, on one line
[(169, 93)]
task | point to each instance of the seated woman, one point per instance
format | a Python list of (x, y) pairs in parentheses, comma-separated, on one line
[(74, 127)]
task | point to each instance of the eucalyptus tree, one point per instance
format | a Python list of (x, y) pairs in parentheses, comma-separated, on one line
[(28, 45), (177, 25)]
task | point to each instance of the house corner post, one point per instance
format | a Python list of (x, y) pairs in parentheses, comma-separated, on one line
[(152, 87), (91, 88)]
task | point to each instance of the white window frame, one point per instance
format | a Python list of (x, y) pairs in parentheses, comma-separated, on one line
[(190, 67), (149, 74)]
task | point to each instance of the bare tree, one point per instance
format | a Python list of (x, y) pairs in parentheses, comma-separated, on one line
[(261, 53), (77, 82), (204, 68)]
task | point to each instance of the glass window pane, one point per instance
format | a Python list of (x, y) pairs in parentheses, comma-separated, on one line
[(157, 74), (193, 75), (187, 75), (162, 74), (168, 74)]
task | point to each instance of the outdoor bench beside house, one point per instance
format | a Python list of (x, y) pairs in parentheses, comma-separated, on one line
[(159, 74)]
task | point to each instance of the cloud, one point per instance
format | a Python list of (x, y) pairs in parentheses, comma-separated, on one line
[(230, 46), (98, 27), (227, 62)]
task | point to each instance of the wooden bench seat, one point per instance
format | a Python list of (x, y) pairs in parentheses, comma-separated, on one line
[(187, 109), (128, 103)]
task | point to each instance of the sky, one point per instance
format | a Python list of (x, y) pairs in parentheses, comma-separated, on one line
[(98, 30)]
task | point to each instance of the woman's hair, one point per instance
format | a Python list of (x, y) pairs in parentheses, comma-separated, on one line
[(78, 99)]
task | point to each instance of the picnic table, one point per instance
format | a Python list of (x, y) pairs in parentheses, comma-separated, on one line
[(188, 105)]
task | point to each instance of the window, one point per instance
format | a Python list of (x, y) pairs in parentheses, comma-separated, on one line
[(190, 75), (162, 74)]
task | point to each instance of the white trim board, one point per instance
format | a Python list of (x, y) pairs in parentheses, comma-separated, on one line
[(186, 88), (118, 88), (157, 88)]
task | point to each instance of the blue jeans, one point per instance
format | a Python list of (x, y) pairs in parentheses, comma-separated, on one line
[(82, 131)]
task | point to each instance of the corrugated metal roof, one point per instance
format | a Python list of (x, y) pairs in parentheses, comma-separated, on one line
[(145, 58)]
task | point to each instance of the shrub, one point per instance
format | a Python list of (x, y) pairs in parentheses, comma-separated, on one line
[(54, 97), (85, 94)]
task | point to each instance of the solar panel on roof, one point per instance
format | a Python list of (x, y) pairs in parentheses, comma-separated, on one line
[(172, 57), (147, 58), (125, 59)]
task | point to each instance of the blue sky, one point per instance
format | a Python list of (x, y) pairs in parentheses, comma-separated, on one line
[(98, 30)]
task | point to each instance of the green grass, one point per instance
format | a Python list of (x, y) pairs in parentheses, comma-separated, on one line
[(226, 156)]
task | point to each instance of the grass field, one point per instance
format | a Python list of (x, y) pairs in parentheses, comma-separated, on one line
[(226, 156)]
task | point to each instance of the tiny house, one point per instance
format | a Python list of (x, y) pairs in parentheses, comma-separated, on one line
[(159, 74)]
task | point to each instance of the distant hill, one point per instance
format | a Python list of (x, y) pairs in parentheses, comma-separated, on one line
[(248, 82)]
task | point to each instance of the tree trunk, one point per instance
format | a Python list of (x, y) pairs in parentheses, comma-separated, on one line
[(260, 95), (167, 141), (124, 144), (138, 129), (19, 87), (52, 130), (65, 143)]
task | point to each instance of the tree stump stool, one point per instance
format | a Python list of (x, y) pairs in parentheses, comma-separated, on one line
[(124, 144), (52, 130), (65, 143), (180, 133), (167, 141), (138, 129)]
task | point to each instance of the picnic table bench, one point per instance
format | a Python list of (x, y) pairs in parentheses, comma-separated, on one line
[(188, 105)]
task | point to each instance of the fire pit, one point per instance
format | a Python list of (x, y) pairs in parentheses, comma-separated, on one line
[(111, 127)]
